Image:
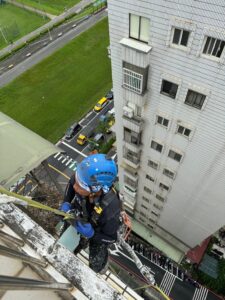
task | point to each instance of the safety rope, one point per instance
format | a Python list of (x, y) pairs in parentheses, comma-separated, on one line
[(25, 201)]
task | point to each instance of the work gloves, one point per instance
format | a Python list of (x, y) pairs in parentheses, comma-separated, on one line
[(85, 229)]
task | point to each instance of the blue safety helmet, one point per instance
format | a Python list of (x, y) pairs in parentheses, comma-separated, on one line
[(96, 172)]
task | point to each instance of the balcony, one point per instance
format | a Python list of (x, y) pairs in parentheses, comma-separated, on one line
[(131, 160), (130, 191), (134, 123), (132, 184)]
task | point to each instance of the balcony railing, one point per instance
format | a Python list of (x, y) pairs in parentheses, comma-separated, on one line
[(131, 160), (135, 123)]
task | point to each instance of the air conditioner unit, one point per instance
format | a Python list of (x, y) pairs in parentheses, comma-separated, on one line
[(128, 111)]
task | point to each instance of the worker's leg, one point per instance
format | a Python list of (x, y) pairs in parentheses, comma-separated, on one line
[(98, 256)]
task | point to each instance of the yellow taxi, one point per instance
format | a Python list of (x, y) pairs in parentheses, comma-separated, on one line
[(81, 140), (101, 103)]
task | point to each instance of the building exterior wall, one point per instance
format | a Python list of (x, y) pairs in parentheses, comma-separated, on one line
[(194, 205)]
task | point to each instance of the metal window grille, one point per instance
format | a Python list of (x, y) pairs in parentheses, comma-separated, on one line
[(160, 198), (133, 81), (213, 47), (195, 99), (150, 178), (145, 199)]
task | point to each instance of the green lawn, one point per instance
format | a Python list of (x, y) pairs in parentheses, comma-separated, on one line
[(16, 22), (54, 7), (63, 87)]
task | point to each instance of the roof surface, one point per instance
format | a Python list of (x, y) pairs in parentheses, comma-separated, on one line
[(21, 150)]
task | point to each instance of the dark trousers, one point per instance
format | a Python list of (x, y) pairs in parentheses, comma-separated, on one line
[(98, 256)]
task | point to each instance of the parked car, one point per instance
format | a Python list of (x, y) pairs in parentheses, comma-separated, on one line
[(109, 95), (72, 131), (101, 103)]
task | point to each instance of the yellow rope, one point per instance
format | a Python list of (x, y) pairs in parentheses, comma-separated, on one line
[(36, 204)]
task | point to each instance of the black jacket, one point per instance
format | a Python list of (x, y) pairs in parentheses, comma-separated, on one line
[(107, 223)]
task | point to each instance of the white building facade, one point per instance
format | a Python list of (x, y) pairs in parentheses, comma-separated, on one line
[(168, 80)]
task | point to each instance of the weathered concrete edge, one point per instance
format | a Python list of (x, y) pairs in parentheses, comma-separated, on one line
[(58, 256)]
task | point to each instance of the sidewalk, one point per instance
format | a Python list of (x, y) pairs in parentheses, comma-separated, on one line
[(75, 9)]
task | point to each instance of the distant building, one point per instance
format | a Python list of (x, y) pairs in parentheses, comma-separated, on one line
[(168, 80)]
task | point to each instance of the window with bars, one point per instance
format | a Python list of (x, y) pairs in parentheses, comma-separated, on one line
[(195, 99), (146, 199), (147, 190), (175, 155), (132, 80), (139, 28), (141, 219), (142, 214), (169, 173), (153, 164), (135, 78), (152, 221), (160, 198), (150, 178), (180, 37), (164, 186), (130, 182), (183, 130), (162, 121), (156, 146), (169, 88), (150, 226), (213, 47)]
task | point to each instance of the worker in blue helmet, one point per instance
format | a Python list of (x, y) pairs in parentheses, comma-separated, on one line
[(90, 193)]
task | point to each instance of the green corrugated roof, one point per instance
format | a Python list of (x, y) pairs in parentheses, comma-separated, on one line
[(21, 150)]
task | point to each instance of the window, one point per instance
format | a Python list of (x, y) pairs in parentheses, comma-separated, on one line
[(132, 137), (142, 214), (142, 220), (154, 213), (143, 206), (174, 155), (169, 89), (139, 28), (150, 178), (157, 206), (130, 182), (153, 164), (195, 99), (163, 186), (132, 80), (150, 226), (145, 199), (180, 37), (160, 198), (152, 221), (162, 121), (169, 173), (156, 146), (213, 47), (135, 78), (183, 130), (147, 190)]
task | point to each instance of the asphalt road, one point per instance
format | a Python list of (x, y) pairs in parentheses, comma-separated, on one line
[(43, 47), (171, 283)]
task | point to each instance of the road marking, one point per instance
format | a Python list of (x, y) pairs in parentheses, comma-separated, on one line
[(74, 149), (69, 161), (60, 157), (22, 188), (57, 154), (64, 160), (200, 294), (71, 166), (58, 171), (167, 282)]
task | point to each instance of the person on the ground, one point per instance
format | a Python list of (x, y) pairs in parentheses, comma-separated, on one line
[(90, 193)]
